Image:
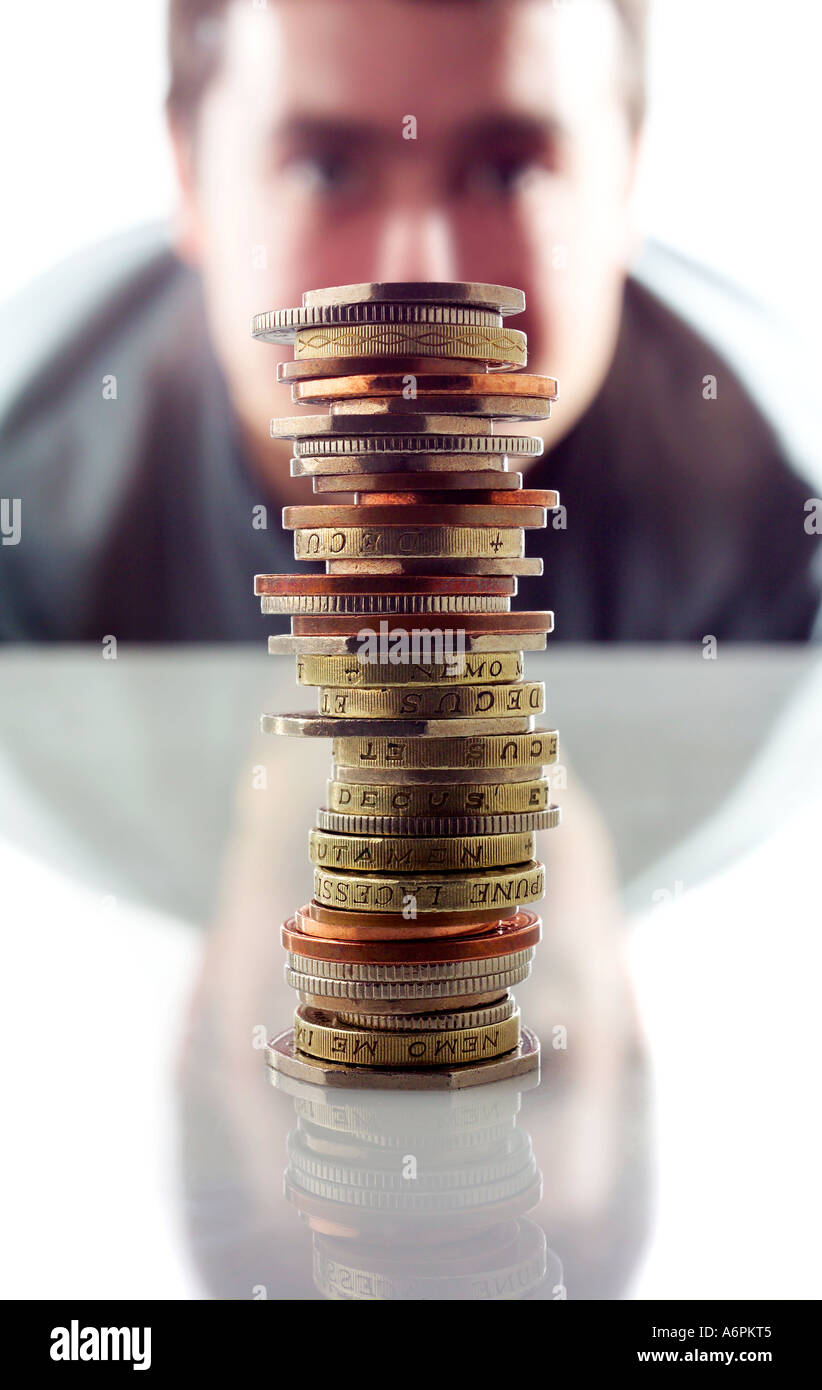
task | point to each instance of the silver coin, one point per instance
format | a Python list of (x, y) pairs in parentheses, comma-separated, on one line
[(503, 299), (281, 325), (384, 603), (411, 442), (308, 465), (317, 986), (411, 973), (425, 1022), (286, 642), (317, 427)]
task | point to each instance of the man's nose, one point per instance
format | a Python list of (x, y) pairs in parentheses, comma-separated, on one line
[(416, 243)]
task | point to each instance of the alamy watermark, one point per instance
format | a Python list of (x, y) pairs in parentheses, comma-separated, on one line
[(400, 646)]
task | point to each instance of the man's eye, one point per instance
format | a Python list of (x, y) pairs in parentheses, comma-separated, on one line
[(499, 177), (322, 173)]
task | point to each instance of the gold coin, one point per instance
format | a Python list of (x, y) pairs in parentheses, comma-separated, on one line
[(322, 726), (369, 892), (480, 750), (475, 701), (495, 407), (384, 1049), (399, 542), (478, 344), (438, 798), (510, 822), (401, 854), (351, 644), (424, 464), (348, 671)]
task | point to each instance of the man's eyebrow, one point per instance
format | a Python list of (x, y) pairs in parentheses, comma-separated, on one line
[(332, 130), (506, 125)]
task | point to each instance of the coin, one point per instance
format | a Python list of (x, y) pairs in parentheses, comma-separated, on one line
[(429, 482), (387, 995), (417, 514), (439, 465), (492, 407), (499, 624), (357, 930), (430, 892), (281, 325), (505, 824), (393, 701), (320, 368), (471, 642), (441, 799), (480, 938), (486, 750), (409, 565), (396, 383), (313, 605), (428, 1022), (501, 298), (406, 973), (478, 776), (540, 498), (357, 1046), (330, 584), (348, 671), (403, 854), (403, 541), (464, 443), (349, 426), (311, 725)]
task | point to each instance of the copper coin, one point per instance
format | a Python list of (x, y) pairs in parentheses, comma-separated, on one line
[(428, 384), (516, 933), (441, 482), (528, 567), (330, 625), (392, 926), (452, 514), (525, 497), (318, 368), (267, 584)]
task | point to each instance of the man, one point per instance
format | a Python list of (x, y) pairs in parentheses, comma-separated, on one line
[(148, 486)]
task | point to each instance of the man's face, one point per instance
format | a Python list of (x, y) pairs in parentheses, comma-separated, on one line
[(519, 174)]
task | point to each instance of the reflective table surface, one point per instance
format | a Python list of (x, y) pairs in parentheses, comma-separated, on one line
[(152, 841)]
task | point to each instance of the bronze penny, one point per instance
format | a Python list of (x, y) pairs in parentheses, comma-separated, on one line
[(428, 384), (450, 514), (517, 933), (492, 497), (331, 625), (378, 584)]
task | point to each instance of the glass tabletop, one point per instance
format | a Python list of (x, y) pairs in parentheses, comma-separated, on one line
[(153, 840)]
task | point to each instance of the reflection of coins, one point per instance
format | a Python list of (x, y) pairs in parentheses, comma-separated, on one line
[(432, 892), (322, 726), (406, 540), (501, 345), (354, 1045), (350, 672), (503, 299), (280, 325), (408, 853), (463, 384), (404, 826), (446, 800), (489, 939), (474, 701), (482, 750)]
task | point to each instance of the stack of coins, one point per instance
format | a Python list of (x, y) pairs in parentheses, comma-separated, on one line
[(424, 854)]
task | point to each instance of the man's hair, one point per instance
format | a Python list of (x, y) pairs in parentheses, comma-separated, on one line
[(195, 37)]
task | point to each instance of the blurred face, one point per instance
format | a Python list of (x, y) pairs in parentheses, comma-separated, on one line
[(299, 173)]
